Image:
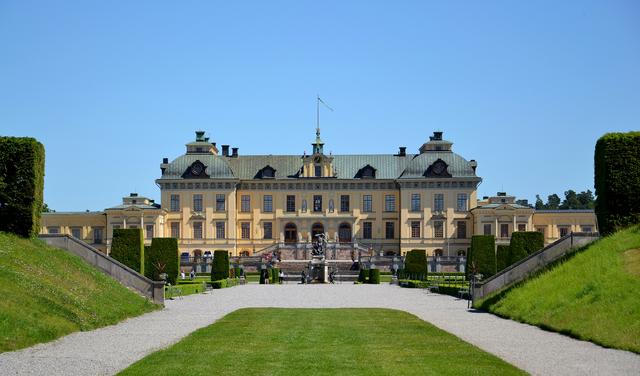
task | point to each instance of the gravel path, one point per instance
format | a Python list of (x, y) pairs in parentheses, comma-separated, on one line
[(108, 350)]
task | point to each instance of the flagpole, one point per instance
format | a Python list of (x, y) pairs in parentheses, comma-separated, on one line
[(317, 112)]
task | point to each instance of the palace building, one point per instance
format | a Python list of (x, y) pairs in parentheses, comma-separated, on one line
[(250, 204)]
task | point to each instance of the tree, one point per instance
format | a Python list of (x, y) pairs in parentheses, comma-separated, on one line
[(586, 200), (570, 200), (539, 203), (553, 202), (47, 209), (524, 203)]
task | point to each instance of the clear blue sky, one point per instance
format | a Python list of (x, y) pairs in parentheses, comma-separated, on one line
[(110, 88)]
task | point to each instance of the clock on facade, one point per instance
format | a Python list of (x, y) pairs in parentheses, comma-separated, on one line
[(197, 169)]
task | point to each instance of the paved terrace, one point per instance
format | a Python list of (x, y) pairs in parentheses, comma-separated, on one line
[(108, 350)]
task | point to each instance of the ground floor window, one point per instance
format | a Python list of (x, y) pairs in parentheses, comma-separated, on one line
[(487, 229), (438, 229), (367, 230), (504, 230), (415, 229), (245, 230), (268, 230), (390, 230)]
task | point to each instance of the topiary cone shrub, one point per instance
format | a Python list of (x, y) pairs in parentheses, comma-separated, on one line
[(220, 265)]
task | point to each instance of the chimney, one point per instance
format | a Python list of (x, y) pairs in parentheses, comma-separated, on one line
[(403, 151), (437, 136), (133, 195), (164, 165), (474, 164), (225, 150), (234, 152), (199, 136), (502, 194)]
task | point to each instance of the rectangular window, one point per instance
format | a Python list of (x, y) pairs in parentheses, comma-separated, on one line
[(197, 230), (462, 229), (415, 202), (220, 204), (504, 230), (344, 203), (76, 232), (53, 230), (438, 202), (149, 231), (586, 228), (487, 229), (245, 203), (415, 229), (220, 233), (438, 229), (390, 203), (97, 235), (389, 230), (462, 202), (267, 204), (268, 230), (367, 204), (175, 203), (563, 231), (246, 230), (291, 203), (317, 203), (197, 203), (522, 227), (175, 230), (318, 171), (367, 230)]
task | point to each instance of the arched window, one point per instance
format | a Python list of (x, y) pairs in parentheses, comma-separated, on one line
[(197, 255), (344, 233), (244, 253), (290, 233), (437, 253), (462, 253)]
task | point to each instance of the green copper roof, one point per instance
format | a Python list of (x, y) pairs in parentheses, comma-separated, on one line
[(217, 166), (456, 165)]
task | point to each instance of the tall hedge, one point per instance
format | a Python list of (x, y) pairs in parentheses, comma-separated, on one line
[(21, 185), (524, 243), (503, 257), (162, 257), (617, 181), (127, 247), (374, 276), (415, 265), (363, 275), (483, 255), (220, 265)]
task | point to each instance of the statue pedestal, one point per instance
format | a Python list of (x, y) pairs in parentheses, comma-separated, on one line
[(319, 270)]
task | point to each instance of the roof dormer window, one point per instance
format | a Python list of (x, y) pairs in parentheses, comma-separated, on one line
[(367, 172)]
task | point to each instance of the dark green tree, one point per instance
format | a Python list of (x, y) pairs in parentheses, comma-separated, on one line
[(570, 200), (539, 203), (553, 202), (586, 200)]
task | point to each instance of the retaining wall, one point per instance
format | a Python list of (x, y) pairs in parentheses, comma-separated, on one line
[(153, 290)]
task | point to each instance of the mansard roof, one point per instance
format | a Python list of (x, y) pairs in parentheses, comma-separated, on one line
[(216, 167), (457, 166)]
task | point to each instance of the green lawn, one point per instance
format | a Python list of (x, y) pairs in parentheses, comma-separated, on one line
[(46, 293), (594, 295), (274, 341)]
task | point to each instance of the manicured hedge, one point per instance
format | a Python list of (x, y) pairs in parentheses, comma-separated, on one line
[(273, 275), (220, 265), (374, 276), (503, 257), (523, 244), (264, 276), (363, 275), (483, 255), (21, 185), (127, 247), (415, 265), (617, 181), (162, 257)]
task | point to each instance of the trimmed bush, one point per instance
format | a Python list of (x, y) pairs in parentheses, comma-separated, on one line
[(162, 257), (219, 284), (237, 271), (220, 265), (127, 247), (21, 185), (273, 275), (503, 255), (374, 276), (483, 255), (415, 265), (363, 275), (523, 244), (617, 181), (264, 276)]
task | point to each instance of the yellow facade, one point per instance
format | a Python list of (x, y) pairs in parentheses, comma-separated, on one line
[(386, 203)]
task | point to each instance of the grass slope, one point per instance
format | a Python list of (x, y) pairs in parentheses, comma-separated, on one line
[(277, 341), (46, 293), (594, 295)]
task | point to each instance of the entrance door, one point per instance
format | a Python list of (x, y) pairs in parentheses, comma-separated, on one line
[(344, 233), (316, 229), (290, 233)]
